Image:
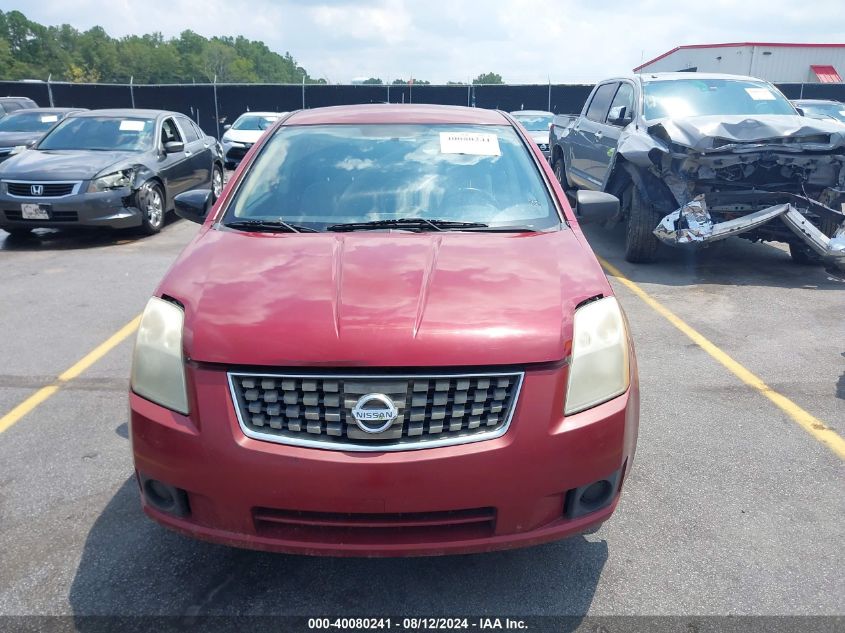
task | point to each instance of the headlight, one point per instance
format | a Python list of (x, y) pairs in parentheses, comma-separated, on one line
[(599, 369), (158, 368), (116, 180)]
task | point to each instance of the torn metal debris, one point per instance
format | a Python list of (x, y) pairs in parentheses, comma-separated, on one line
[(693, 224)]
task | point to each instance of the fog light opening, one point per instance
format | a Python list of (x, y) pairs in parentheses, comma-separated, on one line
[(164, 497), (592, 497), (596, 494), (159, 495)]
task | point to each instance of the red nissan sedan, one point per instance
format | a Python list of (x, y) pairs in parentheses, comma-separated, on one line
[(389, 337)]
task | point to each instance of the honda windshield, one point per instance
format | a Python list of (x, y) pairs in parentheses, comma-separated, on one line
[(101, 133), (329, 175)]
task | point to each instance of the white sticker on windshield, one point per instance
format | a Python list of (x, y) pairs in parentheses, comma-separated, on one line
[(842, 112), (475, 143), (130, 125), (49, 118), (760, 94)]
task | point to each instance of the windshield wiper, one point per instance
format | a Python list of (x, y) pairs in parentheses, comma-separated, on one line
[(421, 224), (279, 226)]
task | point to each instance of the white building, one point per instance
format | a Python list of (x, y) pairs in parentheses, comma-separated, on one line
[(780, 63)]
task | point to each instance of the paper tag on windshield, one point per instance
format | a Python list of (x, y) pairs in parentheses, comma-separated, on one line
[(49, 118), (131, 126), (475, 143), (760, 94)]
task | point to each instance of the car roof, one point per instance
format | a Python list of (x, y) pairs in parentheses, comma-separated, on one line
[(11, 98), (818, 101), (47, 111), (532, 112), (397, 113), (276, 114), (129, 112), (683, 75)]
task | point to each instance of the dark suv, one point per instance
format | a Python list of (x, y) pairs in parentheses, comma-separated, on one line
[(12, 104)]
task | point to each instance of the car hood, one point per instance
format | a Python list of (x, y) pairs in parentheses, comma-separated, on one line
[(376, 299), (13, 139), (63, 164), (721, 132), (242, 136)]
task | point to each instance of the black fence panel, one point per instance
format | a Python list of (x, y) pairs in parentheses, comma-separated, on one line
[(195, 101), (35, 90), (235, 99), (318, 95), (569, 98), (836, 92), (91, 96), (443, 95), (198, 100)]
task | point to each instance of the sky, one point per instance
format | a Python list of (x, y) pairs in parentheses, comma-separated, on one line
[(525, 41)]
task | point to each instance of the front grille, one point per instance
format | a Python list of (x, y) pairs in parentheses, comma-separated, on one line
[(55, 216), (432, 410), (409, 527), (49, 189)]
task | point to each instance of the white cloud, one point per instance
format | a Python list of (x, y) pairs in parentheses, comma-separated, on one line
[(526, 41)]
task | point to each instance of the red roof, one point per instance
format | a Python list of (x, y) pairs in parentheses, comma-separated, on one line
[(827, 74), (397, 113), (765, 44)]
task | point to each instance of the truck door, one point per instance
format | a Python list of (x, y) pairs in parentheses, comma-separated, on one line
[(586, 133), (621, 113)]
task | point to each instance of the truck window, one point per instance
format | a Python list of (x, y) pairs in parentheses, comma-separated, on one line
[(622, 107), (601, 102)]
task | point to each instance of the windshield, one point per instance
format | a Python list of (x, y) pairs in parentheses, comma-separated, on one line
[(101, 133), (535, 122), (254, 122), (701, 97), (29, 122), (825, 110), (324, 175)]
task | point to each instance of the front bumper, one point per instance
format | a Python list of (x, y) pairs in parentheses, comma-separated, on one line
[(692, 224), (114, 209), (507, 492), (233, 153)]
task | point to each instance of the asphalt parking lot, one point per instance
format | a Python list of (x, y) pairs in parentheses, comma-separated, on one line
[(732, 507)]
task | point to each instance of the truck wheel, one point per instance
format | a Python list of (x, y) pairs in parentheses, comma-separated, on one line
[(803, 255), (151, 203), (640, 241), (560, 174)]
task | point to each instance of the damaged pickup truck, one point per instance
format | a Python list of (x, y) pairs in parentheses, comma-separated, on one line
[(696, 158), (108, 168)]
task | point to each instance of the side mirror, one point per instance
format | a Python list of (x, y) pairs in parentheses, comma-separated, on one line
[(174, 147), (800, 111), (227, 127), (592, 207), (193, 205), (32, 143)]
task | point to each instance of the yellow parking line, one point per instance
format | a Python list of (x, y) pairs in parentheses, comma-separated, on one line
[(72, 372), (804, 419)]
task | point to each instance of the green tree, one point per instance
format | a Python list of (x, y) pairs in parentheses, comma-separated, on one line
[(374, 81), (488, 78)]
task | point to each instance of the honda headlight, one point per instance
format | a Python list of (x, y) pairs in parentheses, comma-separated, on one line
[(158, 366), (117, 180), (599, 370)]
